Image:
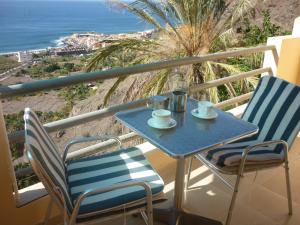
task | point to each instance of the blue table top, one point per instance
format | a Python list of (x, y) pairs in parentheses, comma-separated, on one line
[(191, 135)]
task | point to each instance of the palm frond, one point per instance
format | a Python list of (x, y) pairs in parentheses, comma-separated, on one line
[(163, 12), (130, 91), (255, 60), (241, 8), (229, 68), (112, 90), (230, 90), (151, 85), (142, 13), (162, 82), (235, 10), (211, 75), (156, 83), (225, 38), (119, 46), (253, 81)]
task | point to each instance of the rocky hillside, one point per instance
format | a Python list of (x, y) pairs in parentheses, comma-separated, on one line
[(283, 12)]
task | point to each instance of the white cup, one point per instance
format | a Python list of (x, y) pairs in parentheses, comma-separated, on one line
[(205, 108), (162, 117)]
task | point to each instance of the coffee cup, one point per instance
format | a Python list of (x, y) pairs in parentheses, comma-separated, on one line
[(161, 117), (205, 108)]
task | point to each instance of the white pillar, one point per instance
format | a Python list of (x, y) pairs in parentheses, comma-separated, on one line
[(296, 28), (277, 42)]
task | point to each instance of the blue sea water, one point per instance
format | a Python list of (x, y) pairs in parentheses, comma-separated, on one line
[(26, 24)]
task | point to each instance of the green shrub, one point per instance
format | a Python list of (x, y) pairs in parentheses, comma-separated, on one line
[(26, 180), (35, 71), (253, 34), (63, 71), (75, 93), (69, 66), (7, 63), (52, 67)]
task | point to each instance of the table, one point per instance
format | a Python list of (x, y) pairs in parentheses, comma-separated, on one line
[(190, 136)]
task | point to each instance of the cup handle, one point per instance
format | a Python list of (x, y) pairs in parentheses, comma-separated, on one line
[(149, 104), (153, 114)]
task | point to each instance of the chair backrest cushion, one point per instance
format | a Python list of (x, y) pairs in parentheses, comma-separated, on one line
[(275, 109), (43, 150)]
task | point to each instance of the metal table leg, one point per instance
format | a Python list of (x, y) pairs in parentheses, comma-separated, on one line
[(176, 215)]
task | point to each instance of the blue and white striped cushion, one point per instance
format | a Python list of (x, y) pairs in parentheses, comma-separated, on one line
[(107, 170), (230, 154), (275, 109), (43, 150)]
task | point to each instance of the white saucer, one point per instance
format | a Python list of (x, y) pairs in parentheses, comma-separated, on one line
[(151, 123), (196, 113)]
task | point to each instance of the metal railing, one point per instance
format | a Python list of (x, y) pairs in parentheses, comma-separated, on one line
[(19, 89), (40, 85)]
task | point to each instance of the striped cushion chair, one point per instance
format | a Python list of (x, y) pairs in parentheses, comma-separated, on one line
[(275, 109), (96, 187)]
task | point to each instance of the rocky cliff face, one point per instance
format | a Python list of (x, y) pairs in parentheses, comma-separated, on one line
[(283, 12)]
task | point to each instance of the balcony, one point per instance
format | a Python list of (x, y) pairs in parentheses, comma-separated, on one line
[(262, 199)]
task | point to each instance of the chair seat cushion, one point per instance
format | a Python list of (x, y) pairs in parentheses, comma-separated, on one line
[(107, 170), (230, 155)]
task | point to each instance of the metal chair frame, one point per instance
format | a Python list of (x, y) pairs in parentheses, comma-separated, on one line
[(69, 218), (243, 168)]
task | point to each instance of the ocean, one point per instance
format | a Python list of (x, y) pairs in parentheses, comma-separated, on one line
[(28, 25)]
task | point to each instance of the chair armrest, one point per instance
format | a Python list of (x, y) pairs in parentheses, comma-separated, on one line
[(88, 139), (111, 188), (266, 143)]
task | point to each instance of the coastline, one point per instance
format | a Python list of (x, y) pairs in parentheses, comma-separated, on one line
[(87, 40)]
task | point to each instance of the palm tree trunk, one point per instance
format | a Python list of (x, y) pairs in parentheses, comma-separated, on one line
[(198, 76)]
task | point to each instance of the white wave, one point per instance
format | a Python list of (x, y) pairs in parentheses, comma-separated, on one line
[(148, 31), (38, 50), (60, 41)]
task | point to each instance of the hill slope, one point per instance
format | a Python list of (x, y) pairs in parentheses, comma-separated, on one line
[(283, 12)]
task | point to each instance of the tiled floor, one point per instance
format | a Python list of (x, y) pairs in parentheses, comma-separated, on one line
[(261, 200)]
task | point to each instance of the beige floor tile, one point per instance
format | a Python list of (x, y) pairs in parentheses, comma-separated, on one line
[(268, 203), (245, 215), (212, 202)]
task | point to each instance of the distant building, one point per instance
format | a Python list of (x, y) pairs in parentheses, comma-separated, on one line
[(24, 57), (73, 51)]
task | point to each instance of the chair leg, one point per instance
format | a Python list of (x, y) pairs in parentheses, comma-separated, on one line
[(149, 209), (48, 212), (233, 199), (288, 187), (147, 217), (189, 173), (150, 217)]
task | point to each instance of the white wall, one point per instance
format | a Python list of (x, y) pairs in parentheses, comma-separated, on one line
[(277, 41), (296, 28)]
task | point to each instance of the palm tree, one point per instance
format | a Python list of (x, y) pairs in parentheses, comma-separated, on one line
[(184, 28)]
